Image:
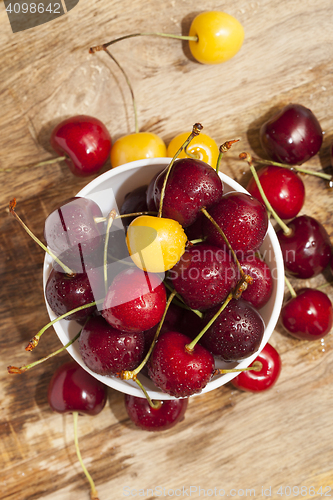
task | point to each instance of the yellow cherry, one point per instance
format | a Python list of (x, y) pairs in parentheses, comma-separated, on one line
[(155, 244), (201, 147), (220, 36), (137, 146)]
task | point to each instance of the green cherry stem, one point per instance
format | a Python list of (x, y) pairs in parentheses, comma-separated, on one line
[(34, 341), (189, 347), (40, 164), (180, 301), (131, 375), (256, 367), (325, 285), (22, 369), (12, 206), (223, 149), (93, 492), (322, 175), (97, 48), (153, 404), (290, 287), (246, 156), (129, 86), (110, 219), (197, 127)]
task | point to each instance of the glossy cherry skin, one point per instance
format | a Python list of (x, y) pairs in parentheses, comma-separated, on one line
[(192, 185), (85, 141), (220, 37), (284, 190), (236, 333), (309, 316), (266, 377), (177, 371), (106, 350), (260, 291), (242, 218), (72, 227), (150, 419), (73, 389), (307, 251), (134, 202), (138, 146), (204, 276), (135, 301), (292, 136), (64, 292)]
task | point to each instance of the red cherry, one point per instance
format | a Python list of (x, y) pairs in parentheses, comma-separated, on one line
[(284, 190), (307, 250), (150, 419), (176, 370), (108, 351), (266, 377), (73, 389), (292, 136), (135, 301), (309, 315), (242, 218), (85, 141), (259, 292)]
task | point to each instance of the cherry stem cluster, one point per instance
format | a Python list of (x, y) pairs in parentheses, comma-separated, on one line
[(197, 127), (22, 369), (246, 156), (93, 492)]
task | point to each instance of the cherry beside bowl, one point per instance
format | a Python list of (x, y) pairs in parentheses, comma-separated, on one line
[(110, 188)]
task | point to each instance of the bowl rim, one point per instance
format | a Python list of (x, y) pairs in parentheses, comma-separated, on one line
[(129, 387)]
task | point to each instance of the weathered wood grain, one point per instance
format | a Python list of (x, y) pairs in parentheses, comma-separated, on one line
[(229, 439)]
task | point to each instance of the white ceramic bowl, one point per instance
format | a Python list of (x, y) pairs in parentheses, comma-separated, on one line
[(122, 180)]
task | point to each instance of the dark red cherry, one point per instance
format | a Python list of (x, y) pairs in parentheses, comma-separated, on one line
[(270, 365), (204, 276), (85, 141), (192, 185), (106, 350), (72, 227), (135, 301), (260, 291), (176, 370), (291, 136), (309, 315), (242, 218), (284, 190), (134, 202), (64, 292), (73, 389), (147, 418), (150, 194), (307, 250), (236, 333)]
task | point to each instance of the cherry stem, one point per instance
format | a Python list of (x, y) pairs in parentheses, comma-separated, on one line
[(40, 164), (22, 369), (256, 367), (327, 177), (98, 220), (223, 149), (221, 232), (110, 219), (290, 287), (324, 285), (153, 404), (246, 156), (181, 302), (197, 127), (34, 341), (12, 205), (129, 86), (93, 492), (131, 375), (97, 48), (191, 345)]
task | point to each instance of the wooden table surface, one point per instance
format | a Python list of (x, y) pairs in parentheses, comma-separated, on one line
[(229, 440)]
